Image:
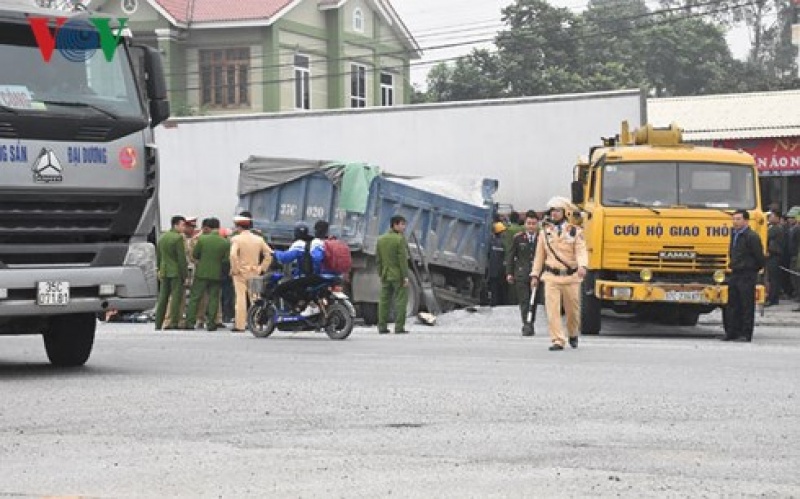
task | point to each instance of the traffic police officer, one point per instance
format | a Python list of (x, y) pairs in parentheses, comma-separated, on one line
[(561, 261), (250, 257)]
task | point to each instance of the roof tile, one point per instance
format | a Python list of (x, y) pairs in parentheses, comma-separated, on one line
[(730, 116), (186, 11)]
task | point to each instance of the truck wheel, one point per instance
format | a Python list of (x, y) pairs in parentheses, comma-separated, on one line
[(69, 339), (369, 312), (590, 311), (447, 306), (414, 297), (688, 317)]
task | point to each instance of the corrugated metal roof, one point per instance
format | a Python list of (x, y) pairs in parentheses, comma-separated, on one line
[(730, 116)]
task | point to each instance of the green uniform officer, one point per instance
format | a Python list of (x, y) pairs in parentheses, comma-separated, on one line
[(172, 271), (210, 252), (392, 253), (514, 228)]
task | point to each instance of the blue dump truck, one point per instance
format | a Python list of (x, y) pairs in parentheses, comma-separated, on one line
[(449, 221)]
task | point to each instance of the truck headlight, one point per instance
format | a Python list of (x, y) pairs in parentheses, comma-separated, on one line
[(719, 276), (646, 275), (143, 255)]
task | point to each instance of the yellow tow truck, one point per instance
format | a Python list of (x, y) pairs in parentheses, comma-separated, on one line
[(657, 221)]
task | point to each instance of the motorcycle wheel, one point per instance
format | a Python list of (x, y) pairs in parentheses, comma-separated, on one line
[(340, 322), (261, 320)]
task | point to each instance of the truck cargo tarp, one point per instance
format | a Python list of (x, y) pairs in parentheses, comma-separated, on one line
[(354, 179), (258, 173)]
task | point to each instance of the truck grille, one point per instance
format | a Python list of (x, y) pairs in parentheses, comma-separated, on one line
[(66, 229), (7, 131), (27, 221), (89, 133), (699, 262), (664, 277)]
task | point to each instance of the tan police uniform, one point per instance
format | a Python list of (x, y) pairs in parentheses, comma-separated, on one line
[(561, 282), (247, 250)]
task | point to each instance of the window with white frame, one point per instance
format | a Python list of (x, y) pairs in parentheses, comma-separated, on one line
[(358, 20), (387, 89), (302, 82), (358, 85)]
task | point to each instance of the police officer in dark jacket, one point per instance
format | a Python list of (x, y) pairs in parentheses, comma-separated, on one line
[(775, 237), (746, 259), (519, 261)]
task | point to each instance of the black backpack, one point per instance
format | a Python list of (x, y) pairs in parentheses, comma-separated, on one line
[(305, 264)]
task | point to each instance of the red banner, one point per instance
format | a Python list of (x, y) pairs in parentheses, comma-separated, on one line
[(773, 156)]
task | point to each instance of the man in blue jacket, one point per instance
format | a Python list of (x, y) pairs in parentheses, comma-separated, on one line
[(307, 259)]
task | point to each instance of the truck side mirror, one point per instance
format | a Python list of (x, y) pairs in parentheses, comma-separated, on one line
[(159, 111), (155, 85), (154, 74), (577, 192)]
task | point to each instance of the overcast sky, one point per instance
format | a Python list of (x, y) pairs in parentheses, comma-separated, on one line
[(441, 22)]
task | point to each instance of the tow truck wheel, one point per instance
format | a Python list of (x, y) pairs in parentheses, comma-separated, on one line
[(688, 317), (590, 311), (69, 339)]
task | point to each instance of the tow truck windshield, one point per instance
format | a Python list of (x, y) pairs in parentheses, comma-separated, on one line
[(694, 185)]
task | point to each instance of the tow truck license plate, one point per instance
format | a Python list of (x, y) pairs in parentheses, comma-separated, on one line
[(691, 296), (52, 293)]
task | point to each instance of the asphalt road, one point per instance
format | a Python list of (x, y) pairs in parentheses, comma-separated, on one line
[(465, 409)]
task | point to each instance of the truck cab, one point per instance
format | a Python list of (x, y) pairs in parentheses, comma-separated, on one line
[(78, 189), (657, 222)]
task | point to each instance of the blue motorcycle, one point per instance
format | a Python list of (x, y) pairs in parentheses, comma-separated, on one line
[(320, 305)]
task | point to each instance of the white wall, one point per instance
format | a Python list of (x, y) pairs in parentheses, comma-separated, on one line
[(530, 145)]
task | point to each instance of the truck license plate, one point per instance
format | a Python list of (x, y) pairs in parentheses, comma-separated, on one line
[(690, 296), (51, 293)]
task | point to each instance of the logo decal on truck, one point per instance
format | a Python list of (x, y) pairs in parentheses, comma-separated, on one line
[(127, 158), (47, 168), (677, 255)]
